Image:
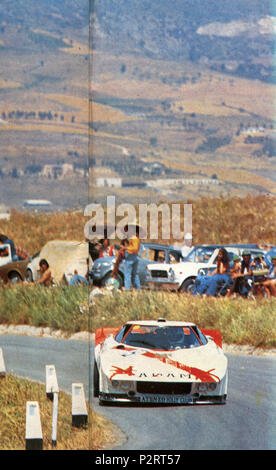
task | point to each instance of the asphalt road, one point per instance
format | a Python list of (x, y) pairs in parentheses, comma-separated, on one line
[(246, 422)]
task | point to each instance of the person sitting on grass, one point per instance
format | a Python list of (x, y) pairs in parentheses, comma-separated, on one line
[(77, 279), (46, 275), (259, 263), (270, 283), (235, 273), (209, 283)]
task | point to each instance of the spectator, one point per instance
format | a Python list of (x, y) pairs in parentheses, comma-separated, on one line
[(270, 283), (259, 263), (209, 283), (131, 258), (77, 279), (235, 273), (246, 265), (106, 249), (46, 275), (120, 257), (94, 250), (221, 273), (188, 245)]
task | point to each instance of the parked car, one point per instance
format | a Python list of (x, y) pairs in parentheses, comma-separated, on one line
[(149, 253), (271, 252), (64, 257), (11, 271), (159, 361), (180, 277)]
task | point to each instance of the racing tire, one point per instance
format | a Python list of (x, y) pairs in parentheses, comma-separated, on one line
[(96, 381), (187, 286), (108, 278)]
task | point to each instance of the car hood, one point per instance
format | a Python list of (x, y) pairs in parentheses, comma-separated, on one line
[(202, 364), (179, 268)]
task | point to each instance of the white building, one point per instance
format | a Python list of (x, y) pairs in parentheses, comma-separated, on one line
[(108, 182)]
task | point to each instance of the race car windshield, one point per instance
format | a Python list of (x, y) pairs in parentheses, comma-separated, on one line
[(161, 338)]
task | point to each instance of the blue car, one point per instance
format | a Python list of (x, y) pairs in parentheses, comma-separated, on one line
[(149, 253)]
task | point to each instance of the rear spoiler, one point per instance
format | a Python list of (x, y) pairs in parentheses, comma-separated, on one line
[(215, 335), (102, 333)]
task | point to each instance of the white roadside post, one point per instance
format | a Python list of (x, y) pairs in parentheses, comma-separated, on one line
[(33, 436), (52, 391), (79, 410), (51, 381), (2, 364), (54, 421)]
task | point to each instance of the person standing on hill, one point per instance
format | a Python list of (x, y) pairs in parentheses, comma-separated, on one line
[(131, 257), (188, 245)]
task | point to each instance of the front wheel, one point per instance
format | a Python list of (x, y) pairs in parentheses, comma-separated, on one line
[(187, 286), (96, 380), (14, 277), (115, 282)]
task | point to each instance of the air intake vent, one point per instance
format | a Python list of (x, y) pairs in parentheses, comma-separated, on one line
[(170, 388)]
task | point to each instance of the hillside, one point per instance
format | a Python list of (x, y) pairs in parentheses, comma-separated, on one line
[(177, 102), (231, 36)]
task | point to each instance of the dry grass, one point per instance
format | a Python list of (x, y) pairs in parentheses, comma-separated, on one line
[(57, 307), (31, 231), (251, 219), (14, 394), (241, 321)]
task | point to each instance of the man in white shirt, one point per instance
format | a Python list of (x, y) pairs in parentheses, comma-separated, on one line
[(188, 244)]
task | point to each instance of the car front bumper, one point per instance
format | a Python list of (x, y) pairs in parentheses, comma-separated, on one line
[(195, 399), (161, 283)]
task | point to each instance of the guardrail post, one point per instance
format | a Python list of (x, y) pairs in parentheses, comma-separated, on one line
[(79, 410), (33, 436), (51, 382), (2, 364)]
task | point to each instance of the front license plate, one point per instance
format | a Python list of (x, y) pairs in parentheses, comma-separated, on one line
[(165, 399)]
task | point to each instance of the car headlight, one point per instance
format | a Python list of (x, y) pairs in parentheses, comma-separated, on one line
[(122, 385), (115, 383), (125, 386), (148, 273), (206, 387)]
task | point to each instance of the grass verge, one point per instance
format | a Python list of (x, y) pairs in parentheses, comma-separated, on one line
[(14, 392), (241, 321), (57, 307)]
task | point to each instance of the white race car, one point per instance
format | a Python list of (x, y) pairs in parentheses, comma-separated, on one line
[(159, 361)]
